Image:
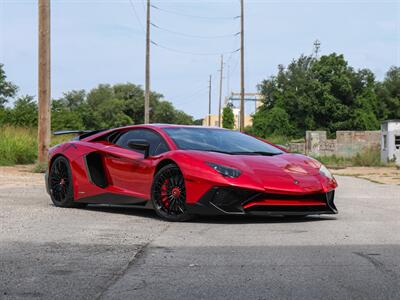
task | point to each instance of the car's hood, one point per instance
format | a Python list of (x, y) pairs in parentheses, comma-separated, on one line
[(283, 172)]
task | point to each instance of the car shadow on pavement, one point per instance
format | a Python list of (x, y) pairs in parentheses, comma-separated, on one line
[(149, 213)]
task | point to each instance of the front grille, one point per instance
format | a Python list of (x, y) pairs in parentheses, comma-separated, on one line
[(309, 197), (232, 200), (266, 208)]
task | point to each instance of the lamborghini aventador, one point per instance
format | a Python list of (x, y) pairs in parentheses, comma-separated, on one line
[(183, 171)]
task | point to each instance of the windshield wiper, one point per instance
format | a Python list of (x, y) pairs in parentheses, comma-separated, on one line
[(214, 150), (264, 153)]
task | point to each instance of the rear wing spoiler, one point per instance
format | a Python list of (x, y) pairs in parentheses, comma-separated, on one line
[(81, 134)]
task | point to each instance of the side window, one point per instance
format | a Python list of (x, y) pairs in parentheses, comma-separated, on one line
[(157, 143)]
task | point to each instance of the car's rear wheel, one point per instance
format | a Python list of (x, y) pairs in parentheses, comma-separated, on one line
[(169, 194), (60, 184)]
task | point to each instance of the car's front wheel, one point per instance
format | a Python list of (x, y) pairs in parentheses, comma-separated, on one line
[(169, 194), (60, 184)]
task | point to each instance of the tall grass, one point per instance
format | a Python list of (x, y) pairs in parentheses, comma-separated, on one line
[(370, 157), (19, 145)]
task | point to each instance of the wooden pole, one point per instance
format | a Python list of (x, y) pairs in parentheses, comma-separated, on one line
[(241, 127), (220, 91), (44, 85), (147, 83), (209, 101)]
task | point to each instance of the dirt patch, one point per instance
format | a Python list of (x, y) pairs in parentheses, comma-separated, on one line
[(19, 176), (385, 175)]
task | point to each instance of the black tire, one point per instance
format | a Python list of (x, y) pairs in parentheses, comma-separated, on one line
[(168, 194), (60, 184)]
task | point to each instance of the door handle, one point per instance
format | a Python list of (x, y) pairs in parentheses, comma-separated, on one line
[(121, 158)]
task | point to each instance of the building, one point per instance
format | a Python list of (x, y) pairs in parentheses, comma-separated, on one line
[(248, 121), (390, 141), (213, 120), (233, 99)]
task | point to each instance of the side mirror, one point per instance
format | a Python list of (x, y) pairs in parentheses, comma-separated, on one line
[(141, 145)]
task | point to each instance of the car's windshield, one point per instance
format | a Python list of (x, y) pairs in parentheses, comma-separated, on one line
[(219, 140)]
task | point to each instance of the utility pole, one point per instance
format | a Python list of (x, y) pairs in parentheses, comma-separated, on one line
[(220, 91), (147, 83), (209, 102), (44, 86), (241, 127), (228, 81)]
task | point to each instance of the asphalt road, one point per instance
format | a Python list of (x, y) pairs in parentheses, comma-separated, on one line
[(114, 253)]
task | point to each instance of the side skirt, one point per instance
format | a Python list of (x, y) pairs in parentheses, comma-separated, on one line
[(110, 198)]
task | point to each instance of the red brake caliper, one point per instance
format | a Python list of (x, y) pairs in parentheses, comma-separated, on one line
[(164, 193)]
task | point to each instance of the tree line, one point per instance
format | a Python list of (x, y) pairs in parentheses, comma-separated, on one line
[(325, 94), (311, 93), (105, 106)]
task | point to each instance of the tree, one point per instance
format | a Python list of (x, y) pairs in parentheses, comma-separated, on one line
[(4, 116), (198, 122), (131, 106), (228, 118), (74, 99), (63, 118), (389, 93), (105, 106), (7, 88), (275, 122), (25, 112), (327, 94)]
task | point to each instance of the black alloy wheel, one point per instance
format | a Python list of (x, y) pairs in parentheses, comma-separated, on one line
[(169, 194), (60, 184)]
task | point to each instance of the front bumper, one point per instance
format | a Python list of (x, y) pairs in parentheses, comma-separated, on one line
[(234, 201)]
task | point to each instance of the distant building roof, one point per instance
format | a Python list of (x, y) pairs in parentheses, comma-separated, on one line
[(391, 121)]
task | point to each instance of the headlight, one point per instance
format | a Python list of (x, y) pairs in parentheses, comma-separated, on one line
[(324, 171), (224, 170)]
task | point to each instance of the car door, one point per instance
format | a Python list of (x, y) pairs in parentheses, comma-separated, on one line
[(128, 169)]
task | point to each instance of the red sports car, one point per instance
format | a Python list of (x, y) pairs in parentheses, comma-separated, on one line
[(183, 171)]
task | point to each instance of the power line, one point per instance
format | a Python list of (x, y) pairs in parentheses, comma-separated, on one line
[(136, 15), (196, 36), (199, 92), (200, 86), (193, 53), (192, 16), (143, 5)]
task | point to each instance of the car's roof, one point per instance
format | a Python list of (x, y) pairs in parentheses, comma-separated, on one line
[(158, 125)]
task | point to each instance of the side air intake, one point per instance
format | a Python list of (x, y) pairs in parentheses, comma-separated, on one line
[(95, 169)]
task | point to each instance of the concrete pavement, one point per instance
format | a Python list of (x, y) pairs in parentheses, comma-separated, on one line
[(119, 253)]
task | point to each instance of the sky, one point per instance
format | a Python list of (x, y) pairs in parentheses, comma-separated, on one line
[(97, 42)]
